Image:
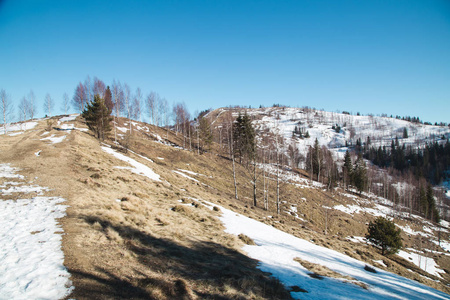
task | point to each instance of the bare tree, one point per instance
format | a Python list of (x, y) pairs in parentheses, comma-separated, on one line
[(151, 107), (127, 107), (31, 105), (88, 89), (48, 104), (164, 113), (65, 104), (6, 109), (229, 120), (23, 109), (117, 95), (137, 105), (99, 87), (79, 99)]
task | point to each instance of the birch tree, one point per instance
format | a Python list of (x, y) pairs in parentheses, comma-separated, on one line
[(6, 109), (137, 105), (31, 105), (151, 107), (48, 104), (65, 103)]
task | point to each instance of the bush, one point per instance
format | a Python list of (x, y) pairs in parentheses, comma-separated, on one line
[(385, 235)]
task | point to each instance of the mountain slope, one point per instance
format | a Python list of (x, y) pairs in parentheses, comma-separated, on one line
[(129, 234)]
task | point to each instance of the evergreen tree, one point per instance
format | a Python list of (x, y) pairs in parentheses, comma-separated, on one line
[(206, 136), (98, 117), (244, 138), (317, 157), (384, 234), (108, 99), (347, 169), (405, 133), (359, 175)]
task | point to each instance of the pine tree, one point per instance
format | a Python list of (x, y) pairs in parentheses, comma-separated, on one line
[(205, 134), (384, 234), (108, 99), (405, 133), (359, 177), (347, 169), (98, 117), (244, 138)]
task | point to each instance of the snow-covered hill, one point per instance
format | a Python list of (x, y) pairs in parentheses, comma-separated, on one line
[(319, 125)]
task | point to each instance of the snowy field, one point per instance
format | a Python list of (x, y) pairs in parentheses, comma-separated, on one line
[(31, 259), (382, 130), (276, 250)]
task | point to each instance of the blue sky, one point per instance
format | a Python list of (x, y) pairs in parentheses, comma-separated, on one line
[(361, 56)]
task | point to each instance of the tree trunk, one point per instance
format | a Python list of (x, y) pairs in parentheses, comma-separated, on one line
[(254, 183)]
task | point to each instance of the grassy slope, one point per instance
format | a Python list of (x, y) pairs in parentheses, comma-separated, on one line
[(150, 245)]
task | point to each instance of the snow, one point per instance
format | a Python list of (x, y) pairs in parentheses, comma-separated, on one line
[(184, 175), (275, 250), (69, 118), (6, 171), (16, 133), (24, 189), (31, 259), (67, 126), (425, 263), (137, 168), (381, 262), (18, 126), (54, 139), (382, 130), (357, 239)]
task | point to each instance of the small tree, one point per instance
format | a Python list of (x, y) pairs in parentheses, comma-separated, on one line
[(98, 117), (384, 234)]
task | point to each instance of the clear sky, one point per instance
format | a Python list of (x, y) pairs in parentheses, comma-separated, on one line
[(361, 56)]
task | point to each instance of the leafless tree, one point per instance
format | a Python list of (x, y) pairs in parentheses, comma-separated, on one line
[(127, 105), (6, 109), (79, 99), (48, 104), (228, 124), (99, 87), (31, 105), (152, 107), (88, 89), (117, 95), (23, 109), (164, 113), (65, 104), (137, 105)]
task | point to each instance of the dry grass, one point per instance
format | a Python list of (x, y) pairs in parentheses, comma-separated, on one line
[(319, 272), (148, 245)]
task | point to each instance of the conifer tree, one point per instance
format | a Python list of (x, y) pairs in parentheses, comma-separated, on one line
[(384, 234), (359, 177), (347, 169), (205, 135), (98, 117)]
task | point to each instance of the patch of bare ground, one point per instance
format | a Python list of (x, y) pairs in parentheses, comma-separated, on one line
[(320, 272)]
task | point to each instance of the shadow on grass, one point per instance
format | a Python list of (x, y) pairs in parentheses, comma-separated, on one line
[(210, 269)]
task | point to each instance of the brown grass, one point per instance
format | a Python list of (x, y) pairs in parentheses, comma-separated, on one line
[(319, 272), (148, 245)]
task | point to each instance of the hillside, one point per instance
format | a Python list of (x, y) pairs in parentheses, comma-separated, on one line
[(160, 222)]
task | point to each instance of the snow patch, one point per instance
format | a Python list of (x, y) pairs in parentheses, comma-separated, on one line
[(138, 168), (54, 140), (276, 251), (425, 263)]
